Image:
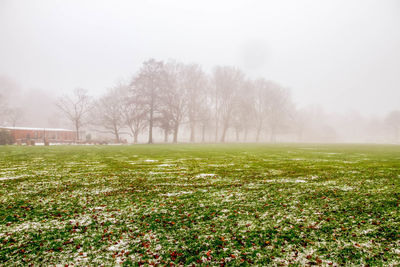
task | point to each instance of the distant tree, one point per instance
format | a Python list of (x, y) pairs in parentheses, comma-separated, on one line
[(301, 123), (244, 110), (134, 112), (149, 82), (393, 121), (310, 124), (4, 108), (173, 100), (108, 112), (227, 82), (88, 137), (5, 137), (195, 85), (75, 107), (14, 115), (165, 123), (205, 111), (9, 90), (205, 120), (278, 109), (262, 99)]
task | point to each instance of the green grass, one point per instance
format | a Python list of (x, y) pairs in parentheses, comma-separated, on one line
[(201, 204)]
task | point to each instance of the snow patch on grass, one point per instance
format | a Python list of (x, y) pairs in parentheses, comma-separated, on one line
[(14, 177), (285, 181), (177, 193), (165, 165), (150, 160), (205, 175)]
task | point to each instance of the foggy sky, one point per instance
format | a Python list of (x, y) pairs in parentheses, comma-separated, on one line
[(343, 55)]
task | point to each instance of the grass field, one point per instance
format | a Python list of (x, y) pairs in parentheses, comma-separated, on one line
[(201, 204)]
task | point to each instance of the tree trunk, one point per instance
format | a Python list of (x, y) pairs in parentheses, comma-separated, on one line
[(258, 134), (151, 123), (77, 130), (224, 133), (237, 135), (135, 137), (192, 131), (116, 135), (166, 136), (216, 131), (176, 129), (203, 133), (216, 116)]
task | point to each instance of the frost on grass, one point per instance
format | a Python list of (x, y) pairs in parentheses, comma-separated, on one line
[(205, 175), (265, 207), (150, 160), (14, 177), (285, 181), (177, 193)]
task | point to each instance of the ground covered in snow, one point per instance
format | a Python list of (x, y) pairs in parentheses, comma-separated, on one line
[(201, 204)]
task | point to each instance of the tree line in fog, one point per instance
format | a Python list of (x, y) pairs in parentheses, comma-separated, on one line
[(225, 105), (172, 101), (171, 96)]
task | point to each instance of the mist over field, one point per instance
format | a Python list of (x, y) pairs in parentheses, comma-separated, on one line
[(199, 133), (231, 71)]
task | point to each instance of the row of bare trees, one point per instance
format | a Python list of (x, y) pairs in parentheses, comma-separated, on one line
[(172, 96)]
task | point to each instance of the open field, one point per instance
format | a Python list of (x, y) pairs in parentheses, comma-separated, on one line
[(210, 204)]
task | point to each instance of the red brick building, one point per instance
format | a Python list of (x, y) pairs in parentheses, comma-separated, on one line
[(40, 135)]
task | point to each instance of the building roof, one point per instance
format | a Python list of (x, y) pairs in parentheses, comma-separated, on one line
[(37, 129)]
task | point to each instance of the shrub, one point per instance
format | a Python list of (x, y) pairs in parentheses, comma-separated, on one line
[(5, 137)]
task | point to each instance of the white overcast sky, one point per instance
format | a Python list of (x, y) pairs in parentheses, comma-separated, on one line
[(343, 55)]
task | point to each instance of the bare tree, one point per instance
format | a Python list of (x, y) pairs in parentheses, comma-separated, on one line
[(164, 121), (262, 104), (14, 115), (75, 108), (134, 112), (149, 82), (228, 82), (194, 82), (244, 110), (393, 121), (173, 100), (108, 112), (301, 123), (205, 111), (9, 91), (279, 108), (205, 121)]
